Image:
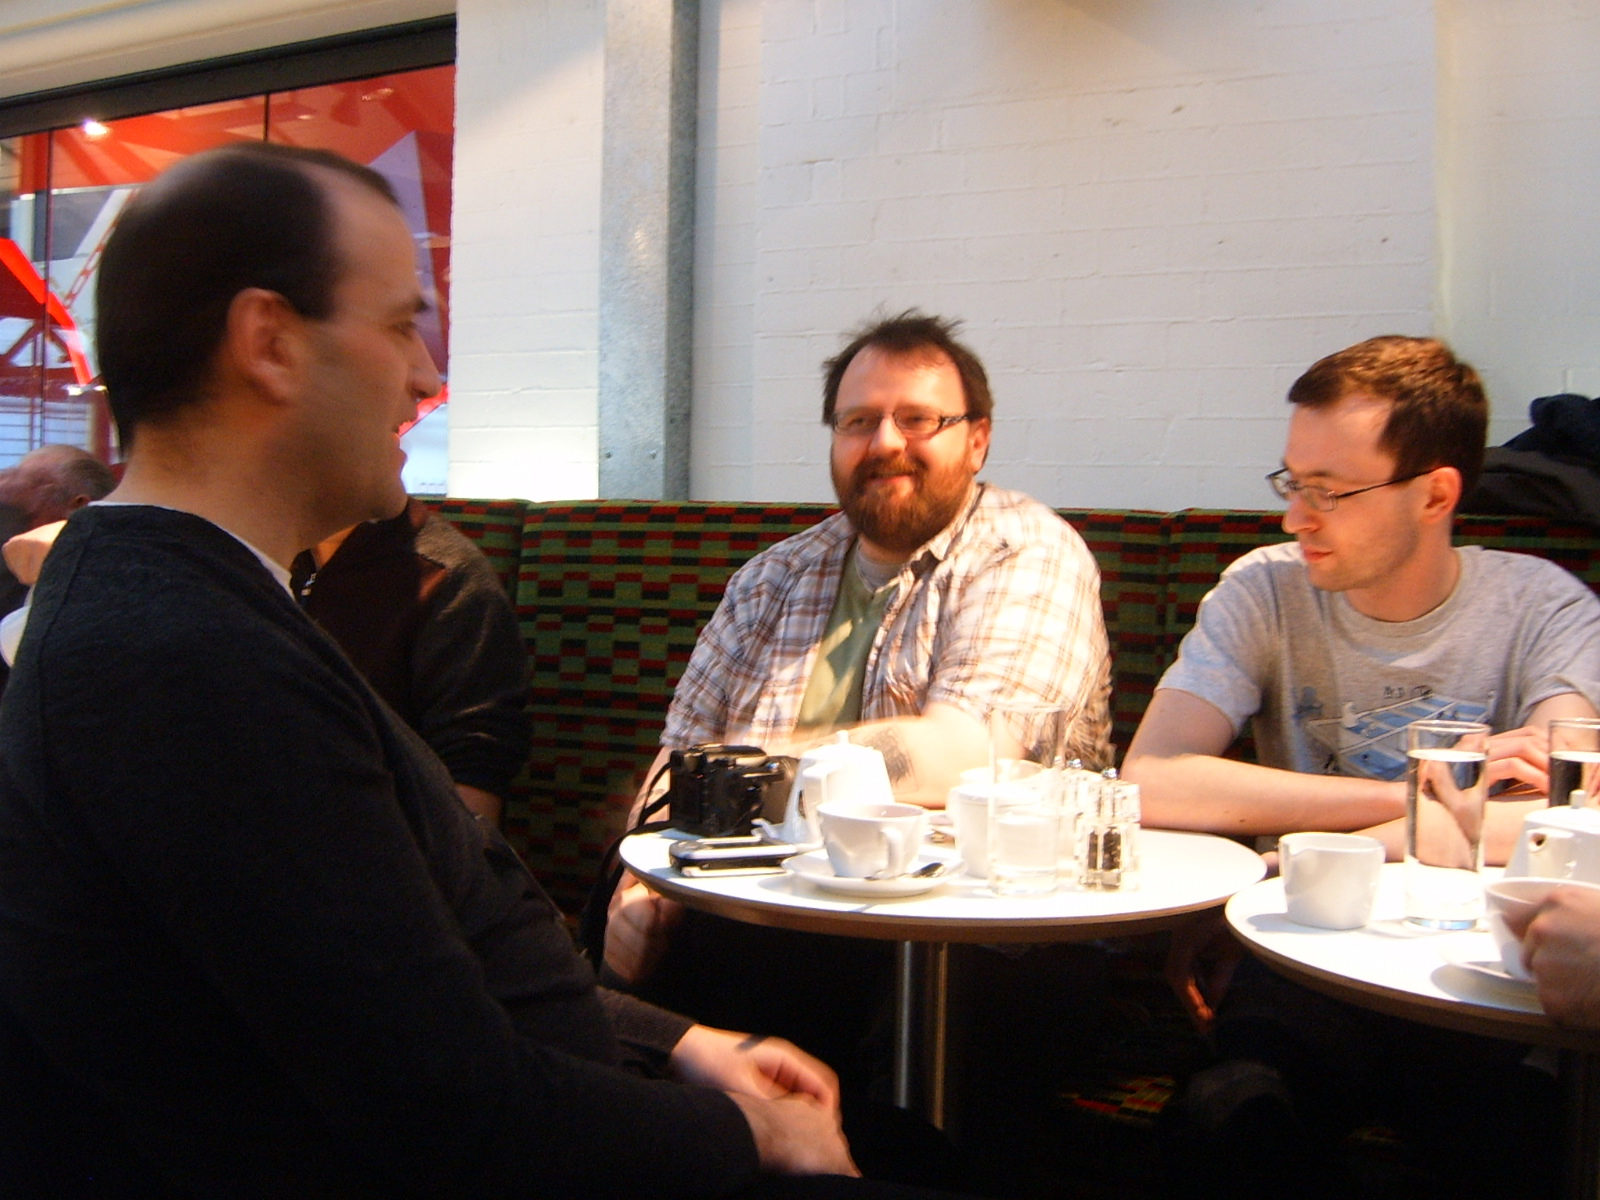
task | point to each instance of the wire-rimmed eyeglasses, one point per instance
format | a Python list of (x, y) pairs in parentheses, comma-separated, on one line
[(914, 423), (1286, 487)]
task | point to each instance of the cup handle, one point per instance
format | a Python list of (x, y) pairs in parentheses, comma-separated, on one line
[(894, 847)]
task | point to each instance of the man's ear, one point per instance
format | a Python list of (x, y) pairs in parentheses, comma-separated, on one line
[(263, 343), (978, 443), (1444, 493)]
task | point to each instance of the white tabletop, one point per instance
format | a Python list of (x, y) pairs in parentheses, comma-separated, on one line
[(1180, 873), (1445, 978)]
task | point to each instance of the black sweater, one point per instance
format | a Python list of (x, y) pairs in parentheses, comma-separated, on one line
[(245, 922)]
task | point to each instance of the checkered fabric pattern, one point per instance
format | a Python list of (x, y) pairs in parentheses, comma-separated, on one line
[(494, 525), (1130, 549)]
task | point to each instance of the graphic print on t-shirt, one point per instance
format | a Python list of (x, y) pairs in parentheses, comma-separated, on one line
[(1373, 743)]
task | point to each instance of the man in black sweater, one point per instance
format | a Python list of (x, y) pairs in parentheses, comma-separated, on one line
[(252, 944)]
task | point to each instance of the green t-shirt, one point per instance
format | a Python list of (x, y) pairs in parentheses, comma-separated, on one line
[(833, 693)]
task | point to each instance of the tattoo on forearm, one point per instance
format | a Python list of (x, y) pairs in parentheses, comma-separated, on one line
[(902, 772), (751, 1042)]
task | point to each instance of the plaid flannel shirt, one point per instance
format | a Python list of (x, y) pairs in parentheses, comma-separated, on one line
[(1001, 606)]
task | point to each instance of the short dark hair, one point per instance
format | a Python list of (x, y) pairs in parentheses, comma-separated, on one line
[(245, 215), (1440, 415), (912, 333)]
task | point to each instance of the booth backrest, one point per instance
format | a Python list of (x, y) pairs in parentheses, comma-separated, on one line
[(611, 595)]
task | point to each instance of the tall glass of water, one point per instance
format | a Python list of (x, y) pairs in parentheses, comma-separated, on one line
[(1025, 805), (1446, 790), (1574, 760)]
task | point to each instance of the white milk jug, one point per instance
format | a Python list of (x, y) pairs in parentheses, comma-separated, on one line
[(1558, 843), (837, 772)]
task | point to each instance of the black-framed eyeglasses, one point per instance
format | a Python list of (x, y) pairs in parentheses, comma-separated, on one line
[(914, 423), (1321, 499)]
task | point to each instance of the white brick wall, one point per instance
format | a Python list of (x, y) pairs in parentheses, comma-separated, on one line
[(525, 260), (1520, 278), (1152, 217)]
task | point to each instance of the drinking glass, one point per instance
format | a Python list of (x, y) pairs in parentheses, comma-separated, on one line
[(1446, 790), (1574, 760), (1025, 813)]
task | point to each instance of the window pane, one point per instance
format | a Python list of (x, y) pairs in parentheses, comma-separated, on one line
[(61, 192)]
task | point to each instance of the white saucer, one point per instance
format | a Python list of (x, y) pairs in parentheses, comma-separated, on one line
[(816, 869), (1476, 952)]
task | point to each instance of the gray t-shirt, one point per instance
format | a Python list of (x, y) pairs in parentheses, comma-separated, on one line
[(1330, 690)]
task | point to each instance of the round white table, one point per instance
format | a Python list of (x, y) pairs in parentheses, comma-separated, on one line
[(1446, 978), (1180, 874)]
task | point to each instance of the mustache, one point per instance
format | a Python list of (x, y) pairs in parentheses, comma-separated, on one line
[(884, 467)]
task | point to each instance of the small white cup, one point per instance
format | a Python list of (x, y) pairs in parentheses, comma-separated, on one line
[(968, 805), (1518, 897), (1330, 880), (872, 841)]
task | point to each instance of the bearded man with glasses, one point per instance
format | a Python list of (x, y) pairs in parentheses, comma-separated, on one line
[(904, 619), (1368, 619)]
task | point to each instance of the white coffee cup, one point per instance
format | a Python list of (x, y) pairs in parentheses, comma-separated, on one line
[(968, 805), (1330, 880), (872, 841), (1518, 897)]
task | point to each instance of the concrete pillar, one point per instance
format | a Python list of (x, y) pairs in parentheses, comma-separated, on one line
[(647, 247)]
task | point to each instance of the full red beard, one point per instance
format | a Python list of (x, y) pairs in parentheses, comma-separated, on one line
[(901, 525)]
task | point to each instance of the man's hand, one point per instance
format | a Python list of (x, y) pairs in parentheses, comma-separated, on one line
[(1522, 755), (795, 1135), (639, 926), (790, 1099), (765, 1067), (1561, 948), (1201, 959), (26, 552)]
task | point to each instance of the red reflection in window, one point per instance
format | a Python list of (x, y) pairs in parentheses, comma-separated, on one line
[(70, 184)]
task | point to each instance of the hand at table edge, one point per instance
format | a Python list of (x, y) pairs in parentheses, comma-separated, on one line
[(764, 1067)]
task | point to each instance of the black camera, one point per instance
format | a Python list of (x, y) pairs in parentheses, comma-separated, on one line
[(715, 790)]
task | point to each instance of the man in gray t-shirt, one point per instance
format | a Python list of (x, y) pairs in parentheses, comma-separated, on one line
[(1329, 646)]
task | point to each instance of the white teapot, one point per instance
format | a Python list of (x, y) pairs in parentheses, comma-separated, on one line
[(833, 772), (1562, 842)]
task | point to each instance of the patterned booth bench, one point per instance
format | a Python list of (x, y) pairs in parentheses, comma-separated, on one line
[(611, 595)]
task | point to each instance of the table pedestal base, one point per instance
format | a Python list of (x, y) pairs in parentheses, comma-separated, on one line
[(921, 1027)]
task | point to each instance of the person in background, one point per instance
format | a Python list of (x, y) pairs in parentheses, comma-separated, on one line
[(424, 617), (904, 619), (253, 943), (1371, 607), (1369, 610), (47, 485)]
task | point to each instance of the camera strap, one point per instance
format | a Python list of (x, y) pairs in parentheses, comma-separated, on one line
[(596, 910)]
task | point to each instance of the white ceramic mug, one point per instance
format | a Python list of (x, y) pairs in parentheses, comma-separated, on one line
[(1330, 880), (1518, 897), (968, 805), (872, 841), (835, 772)]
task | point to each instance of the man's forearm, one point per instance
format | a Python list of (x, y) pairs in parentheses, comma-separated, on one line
[(1219, 795), (925, 755)]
